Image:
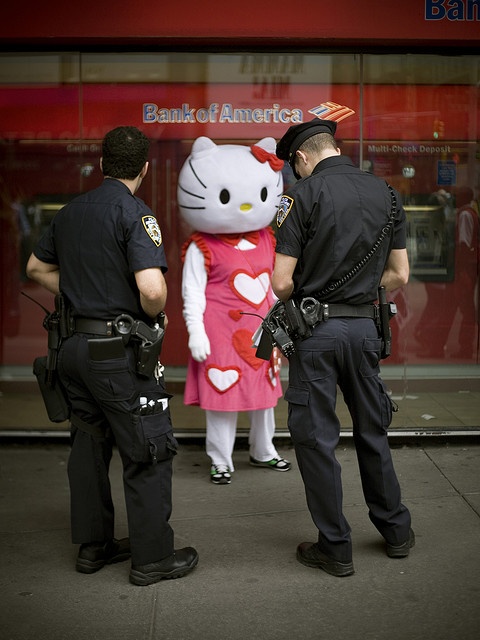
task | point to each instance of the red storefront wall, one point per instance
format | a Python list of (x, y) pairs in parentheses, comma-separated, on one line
[(52, 144)]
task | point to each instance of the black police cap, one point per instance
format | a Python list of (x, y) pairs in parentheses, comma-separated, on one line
[(298, 133)]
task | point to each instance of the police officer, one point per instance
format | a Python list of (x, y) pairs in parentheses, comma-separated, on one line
[(340, 235), (103, 251)]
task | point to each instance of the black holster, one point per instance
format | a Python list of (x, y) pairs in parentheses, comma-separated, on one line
[(386, 310), (283, 323), (58, 325), (147, 355), (146, 340)]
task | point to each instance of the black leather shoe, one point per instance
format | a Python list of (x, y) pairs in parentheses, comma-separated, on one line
[(181, 562), (401, 550), (95, 555), (310, 555)]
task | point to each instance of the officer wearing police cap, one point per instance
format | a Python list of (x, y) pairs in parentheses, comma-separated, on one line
[(332, 247), (297, 134)]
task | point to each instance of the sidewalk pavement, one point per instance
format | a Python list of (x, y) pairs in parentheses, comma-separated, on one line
[(248, 584)]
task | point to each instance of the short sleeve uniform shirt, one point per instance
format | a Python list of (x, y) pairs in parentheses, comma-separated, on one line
[(99, 240), (330, 221)]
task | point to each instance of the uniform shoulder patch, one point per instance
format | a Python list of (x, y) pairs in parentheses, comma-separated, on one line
[(284, 209), (151, 227)]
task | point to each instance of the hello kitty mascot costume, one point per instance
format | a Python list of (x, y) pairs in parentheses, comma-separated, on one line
[(229, 194)]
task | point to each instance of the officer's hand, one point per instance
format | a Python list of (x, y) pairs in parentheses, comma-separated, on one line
[(198, 343)]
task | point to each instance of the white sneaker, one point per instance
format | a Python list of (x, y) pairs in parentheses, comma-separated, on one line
[(220, 474), (277, 464)]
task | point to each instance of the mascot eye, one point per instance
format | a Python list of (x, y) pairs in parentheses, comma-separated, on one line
[(224, 196), (264, 194)]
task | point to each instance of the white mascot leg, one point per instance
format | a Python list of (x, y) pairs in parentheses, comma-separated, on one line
[(262, 430), (220, 439)]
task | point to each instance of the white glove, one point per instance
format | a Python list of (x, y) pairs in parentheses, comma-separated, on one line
[(198, 342), (194, 283)]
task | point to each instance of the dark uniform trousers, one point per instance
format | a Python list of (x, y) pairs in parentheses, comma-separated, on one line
[(343, 352), (106, 394)]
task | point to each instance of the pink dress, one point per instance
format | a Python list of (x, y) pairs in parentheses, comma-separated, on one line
[(232, 378)]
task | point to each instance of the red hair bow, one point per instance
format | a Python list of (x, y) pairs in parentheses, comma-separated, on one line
[(264, 156)]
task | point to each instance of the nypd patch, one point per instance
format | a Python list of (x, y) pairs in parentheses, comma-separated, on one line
[(284, 209), (151, 227)]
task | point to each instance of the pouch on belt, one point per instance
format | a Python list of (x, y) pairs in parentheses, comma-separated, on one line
[(105, 348), (53, 393)]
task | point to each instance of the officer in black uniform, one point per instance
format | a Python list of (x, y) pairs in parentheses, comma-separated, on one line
[(103, 251), (335, 245)]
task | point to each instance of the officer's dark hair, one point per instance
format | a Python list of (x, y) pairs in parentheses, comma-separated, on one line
[(318, 143), (124, 153)]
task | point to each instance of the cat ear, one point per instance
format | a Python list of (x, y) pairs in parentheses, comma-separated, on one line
[(268, 144), (202, 146)]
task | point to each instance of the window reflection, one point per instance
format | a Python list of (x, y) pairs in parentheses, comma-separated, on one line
[(415, 123)]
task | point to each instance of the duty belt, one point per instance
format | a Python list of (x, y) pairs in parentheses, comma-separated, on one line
[(93, 325), (314, 311), (288, 321), (123, 326)]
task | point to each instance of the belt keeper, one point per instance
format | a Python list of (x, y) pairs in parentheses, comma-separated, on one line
[(325, 312)]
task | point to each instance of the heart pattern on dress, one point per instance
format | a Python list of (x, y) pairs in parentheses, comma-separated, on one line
[(242, 342), (222, 378), (235, 314), (253, 290), (274, 367), (272, 376)]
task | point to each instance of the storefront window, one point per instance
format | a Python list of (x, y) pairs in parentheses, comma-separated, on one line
[(420, 132), (413, 120)]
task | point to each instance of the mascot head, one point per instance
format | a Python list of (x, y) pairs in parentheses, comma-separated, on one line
[(230, 188)]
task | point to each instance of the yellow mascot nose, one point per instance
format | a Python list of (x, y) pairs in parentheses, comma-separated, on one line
[(246, 206)]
